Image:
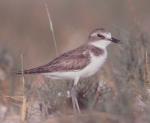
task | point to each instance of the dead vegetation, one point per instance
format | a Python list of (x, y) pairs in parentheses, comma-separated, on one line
[(119, 93), (114, 96)]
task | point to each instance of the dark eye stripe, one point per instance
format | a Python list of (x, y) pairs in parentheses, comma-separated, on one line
[(101, 36)]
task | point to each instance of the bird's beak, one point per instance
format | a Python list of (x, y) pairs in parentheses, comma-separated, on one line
[(114, 40)]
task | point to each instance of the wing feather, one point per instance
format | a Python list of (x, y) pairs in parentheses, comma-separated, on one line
[(72, 60)]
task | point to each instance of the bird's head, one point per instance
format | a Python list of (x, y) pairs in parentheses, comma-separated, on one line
[(101, 38)]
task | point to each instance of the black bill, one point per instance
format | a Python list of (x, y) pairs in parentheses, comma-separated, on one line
[(115, 40)]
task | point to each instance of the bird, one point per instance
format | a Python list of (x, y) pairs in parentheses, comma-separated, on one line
[(81, 62)]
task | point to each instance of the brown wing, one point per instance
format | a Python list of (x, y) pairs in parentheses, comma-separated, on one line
[(72, 60)]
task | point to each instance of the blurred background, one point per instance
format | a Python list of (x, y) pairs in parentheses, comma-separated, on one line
[(24, 29)]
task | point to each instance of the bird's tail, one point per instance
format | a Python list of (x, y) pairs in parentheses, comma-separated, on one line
[(31, 71), (25, 72)]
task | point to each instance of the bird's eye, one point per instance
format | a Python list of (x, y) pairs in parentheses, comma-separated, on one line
[(101, 36)]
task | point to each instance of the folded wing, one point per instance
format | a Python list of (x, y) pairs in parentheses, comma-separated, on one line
[(70, 61)]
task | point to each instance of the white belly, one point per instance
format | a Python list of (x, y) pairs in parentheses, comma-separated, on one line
[(91, 69)]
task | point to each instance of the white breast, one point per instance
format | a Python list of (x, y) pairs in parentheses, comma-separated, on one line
[(94, 66)]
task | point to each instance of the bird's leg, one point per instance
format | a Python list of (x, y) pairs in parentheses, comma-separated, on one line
[(74, 96)]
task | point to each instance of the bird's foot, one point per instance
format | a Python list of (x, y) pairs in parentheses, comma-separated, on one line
[(74, 100)]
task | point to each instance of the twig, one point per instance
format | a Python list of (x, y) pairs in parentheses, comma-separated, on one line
[(51, 27)]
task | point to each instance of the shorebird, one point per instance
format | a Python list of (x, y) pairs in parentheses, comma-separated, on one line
[(78, 63)]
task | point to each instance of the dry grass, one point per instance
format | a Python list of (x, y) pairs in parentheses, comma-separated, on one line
[(51, 27), (120, 93)]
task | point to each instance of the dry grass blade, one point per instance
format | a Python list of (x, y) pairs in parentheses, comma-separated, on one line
[(146, 71), (51, 27), (24, 101), (16, 98)]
